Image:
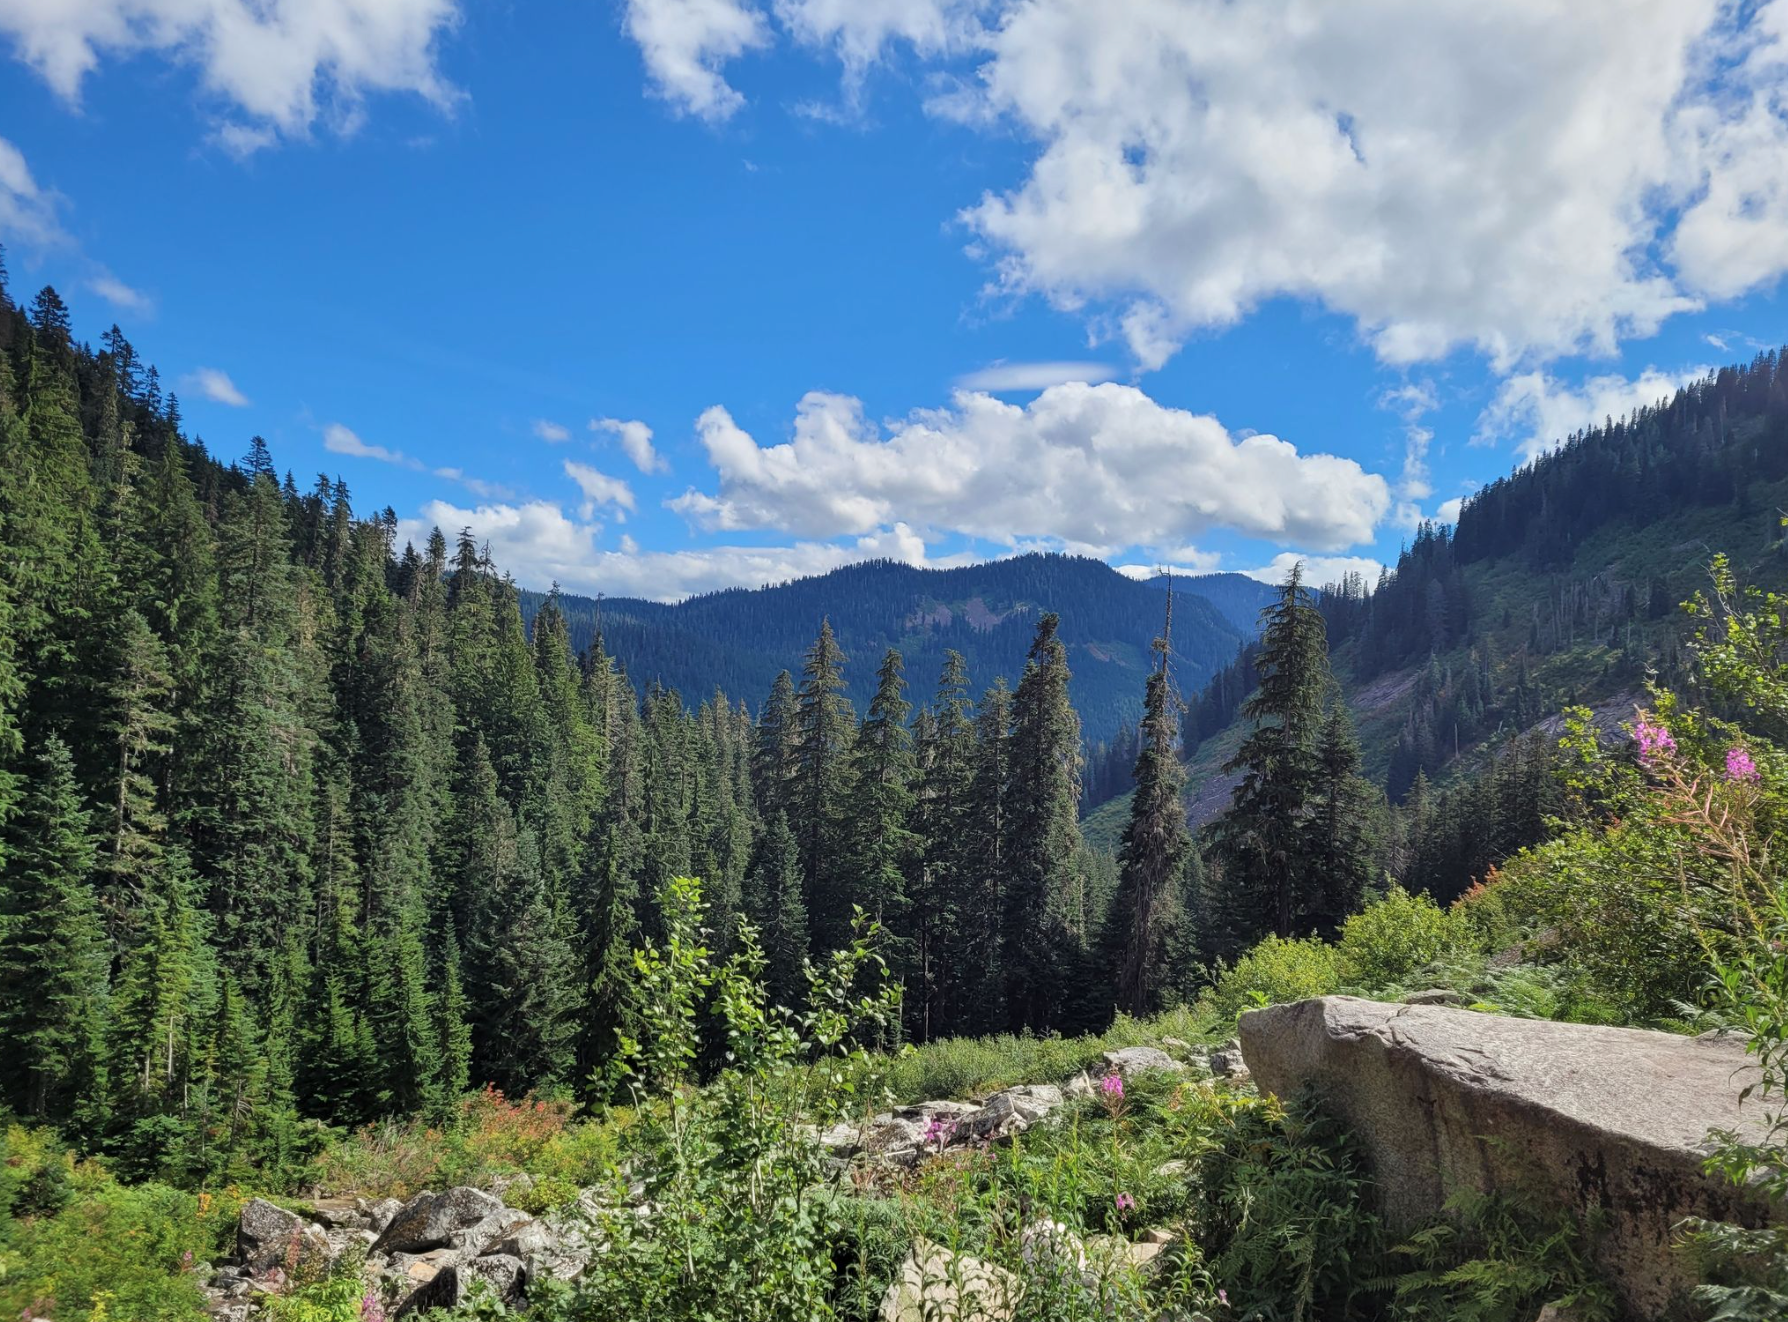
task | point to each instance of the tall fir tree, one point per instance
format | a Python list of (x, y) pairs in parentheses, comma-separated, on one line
[(1045, 922), (1268, 884), (1147, 943)]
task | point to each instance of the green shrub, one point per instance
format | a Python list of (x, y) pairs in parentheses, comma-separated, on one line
[(1393, 937), (77, 1246), (1286, 1216), (1274, 972)]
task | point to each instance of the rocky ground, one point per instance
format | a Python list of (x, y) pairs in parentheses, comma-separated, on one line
[(429, 1252)]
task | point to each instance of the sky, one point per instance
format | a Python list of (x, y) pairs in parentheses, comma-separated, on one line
[(662, 296)]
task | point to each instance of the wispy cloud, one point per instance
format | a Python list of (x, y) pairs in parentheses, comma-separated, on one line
[(1003, 377), (551, 432), (599, 489), (338, 439), (216, 386)]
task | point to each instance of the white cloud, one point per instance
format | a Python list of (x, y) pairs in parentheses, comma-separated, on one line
[(1539, 411), (599, 488), (117, 293), (216, 386), (539, 544), (550, 432), (1094, 467), (1450, 510), (685, 44), (1488, 175), (1186, 563), (636, 441), (476, 485), (337, 439), (28, 212), (1003, 377), (277, 66), (1319, 570), (859, 31)]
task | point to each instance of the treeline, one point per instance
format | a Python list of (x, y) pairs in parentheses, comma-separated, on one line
[(301, 825), (1709, 445)]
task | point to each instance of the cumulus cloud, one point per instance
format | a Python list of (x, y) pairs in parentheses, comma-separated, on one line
[(1319, 570), (1450, 510), (28, 212), (1092, 467), (539, 544), (277, 66), (1185, 562), (1539, 411), (636, 442), (686, 43), (216, 386), (599, 488), (550, 432), (1443, 175), (1002, 378)]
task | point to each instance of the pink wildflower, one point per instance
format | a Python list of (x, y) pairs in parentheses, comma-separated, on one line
[(1654, 741), (1125, 1202), (1739, 765), (1112, 1085), (371, 1310), (1223, 1298)]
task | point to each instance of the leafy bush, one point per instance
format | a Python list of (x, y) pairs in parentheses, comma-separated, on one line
[(1286, 1216), (1274, 972), (77, 1246), (1394, 937), (1498, 1259)]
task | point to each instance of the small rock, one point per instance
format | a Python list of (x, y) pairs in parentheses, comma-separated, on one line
[(1081, 1085), (1131, 1061), (429, 1219), (936, 1285), (340, 1213), (378, 1213), (524, 1240), (269, 1237), (1181, 1043), (1157, 1235), (1227, 1063), (1012, 1111)]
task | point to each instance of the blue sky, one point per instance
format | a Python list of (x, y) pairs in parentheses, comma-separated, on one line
[(665, 295)]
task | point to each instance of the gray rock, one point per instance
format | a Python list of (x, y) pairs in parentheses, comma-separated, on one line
[(1228, 1063), (936, 1285), (524, 1240), (1081, 1085), (428, 1220), (455, 1283), (1606, 1120), (1012, 1111), (470, 1241), (269, 1237), (1131, 1061), (378, 1212)]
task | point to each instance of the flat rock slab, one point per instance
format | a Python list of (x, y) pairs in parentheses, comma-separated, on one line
[(1611, 1121)]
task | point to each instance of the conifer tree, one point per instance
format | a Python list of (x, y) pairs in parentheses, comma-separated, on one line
[(1148, 931), (1342, 848), (1268, 881), (943, 871), (879, 845), (53, 957), (775, 908), (820, 784), (1045, 920)]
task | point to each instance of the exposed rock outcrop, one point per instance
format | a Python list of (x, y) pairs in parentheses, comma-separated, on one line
[(1606, 1120), (936, 1285)]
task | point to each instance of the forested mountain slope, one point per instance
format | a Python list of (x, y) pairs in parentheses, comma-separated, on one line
[(736, 641), (1562, 584)]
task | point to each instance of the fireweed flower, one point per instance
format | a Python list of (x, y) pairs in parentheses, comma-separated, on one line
[(1112, 1085), (1125, 1202), (371, 1310), (1739, 765), (1654, 741)]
